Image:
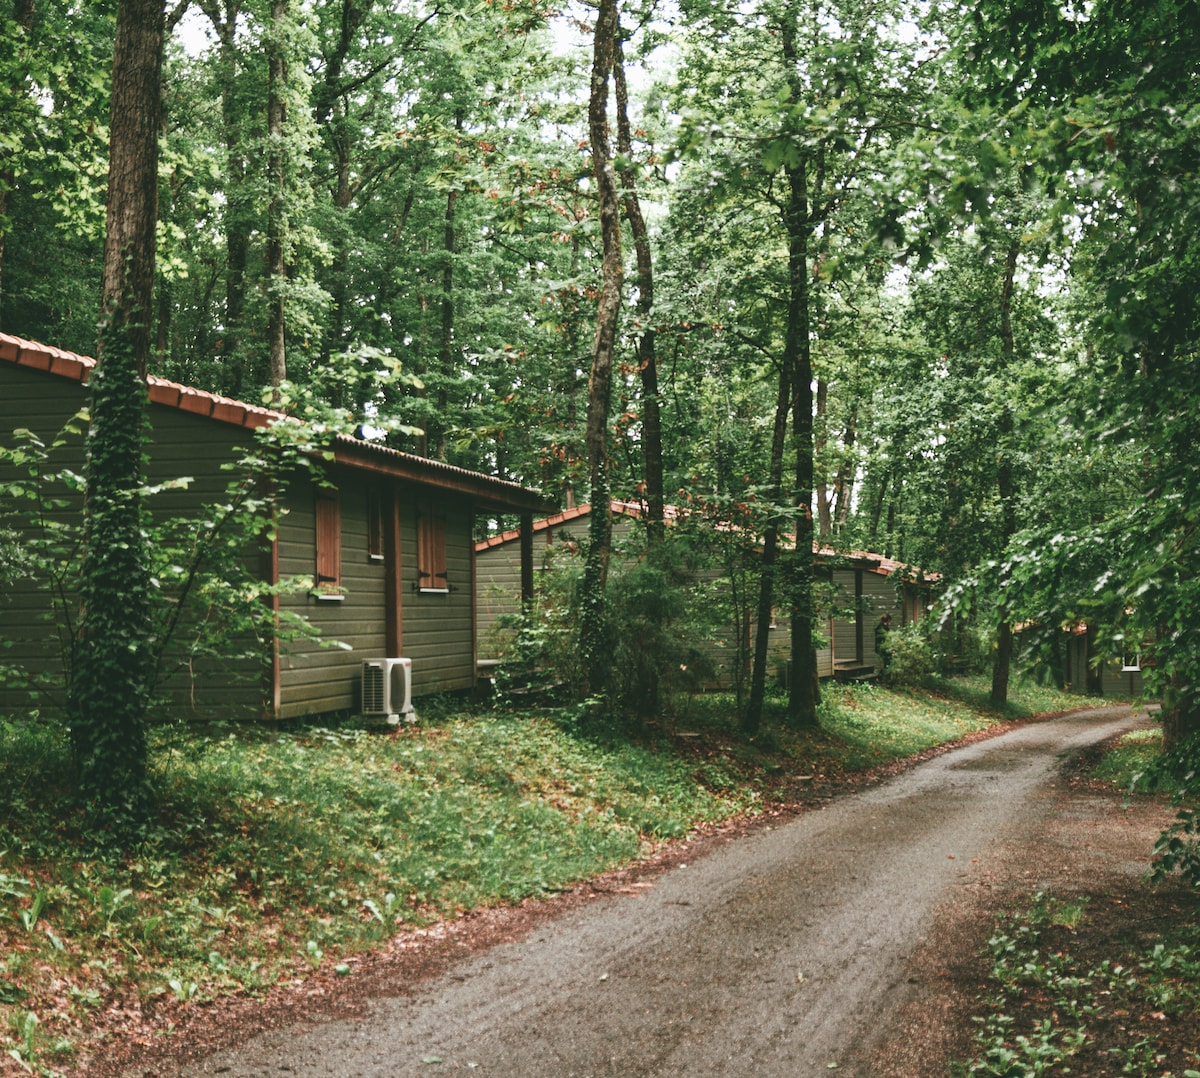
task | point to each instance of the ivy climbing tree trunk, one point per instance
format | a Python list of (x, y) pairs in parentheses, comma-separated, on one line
[(110, 667), (593, 604)]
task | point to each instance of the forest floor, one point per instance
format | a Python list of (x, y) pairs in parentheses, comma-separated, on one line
[(1089, 850)]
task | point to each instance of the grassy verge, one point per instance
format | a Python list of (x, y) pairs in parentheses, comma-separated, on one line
[(276, 853), (1110, 990)]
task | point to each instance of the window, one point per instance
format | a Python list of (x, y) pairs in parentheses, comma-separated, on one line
[(375, 524), (431, 548), (1131, 663), (328, 544)]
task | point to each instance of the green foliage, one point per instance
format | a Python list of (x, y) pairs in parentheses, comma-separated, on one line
[(204, 594), (108, 686), (1178, 848), (274, 851), (911, 654), (1132, 763), (1045, 1008)]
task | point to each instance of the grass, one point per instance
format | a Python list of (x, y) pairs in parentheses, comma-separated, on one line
[(1127, 765), (277, 852)]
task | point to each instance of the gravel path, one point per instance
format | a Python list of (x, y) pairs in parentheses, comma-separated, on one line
[(787, 952)]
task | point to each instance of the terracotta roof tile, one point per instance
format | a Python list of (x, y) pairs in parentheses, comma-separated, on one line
[(873, 563), (353, 451)]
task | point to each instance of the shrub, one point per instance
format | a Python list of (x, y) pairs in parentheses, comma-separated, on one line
[(911, 657)]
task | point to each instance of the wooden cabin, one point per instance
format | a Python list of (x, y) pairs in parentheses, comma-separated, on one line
[(861, 588), (381, 545), (1089, 672)]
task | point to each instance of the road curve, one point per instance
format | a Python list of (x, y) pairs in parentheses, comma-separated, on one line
[(780, 954)]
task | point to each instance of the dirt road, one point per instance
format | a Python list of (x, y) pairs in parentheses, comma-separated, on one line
[(788, 952)]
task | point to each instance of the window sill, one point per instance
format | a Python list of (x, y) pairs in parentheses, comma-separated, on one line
[(434, 591), (328, 596)]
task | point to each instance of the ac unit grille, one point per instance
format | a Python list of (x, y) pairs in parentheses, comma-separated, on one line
[(374, 689)]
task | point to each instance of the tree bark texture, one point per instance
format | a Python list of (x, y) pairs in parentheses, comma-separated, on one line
[(652, 449), (593, 612), (276, 216), (1002, 660), (804, 689), (752, 717)]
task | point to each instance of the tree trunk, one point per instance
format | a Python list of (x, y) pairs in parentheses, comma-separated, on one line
[(593, 613), (1093, 677), (647, 357), (652, 451), (276, 260), (843, 484), (1002, 660), (1180, 715), (224, 20), (824, 515), (752, 718), (804, 690), (23, 11), (436, 436), (110, 675)]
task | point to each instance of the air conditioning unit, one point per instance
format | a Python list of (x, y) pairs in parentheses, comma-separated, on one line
[(387, 689)]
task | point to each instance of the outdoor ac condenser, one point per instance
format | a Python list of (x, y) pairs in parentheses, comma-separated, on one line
[(387, 689)]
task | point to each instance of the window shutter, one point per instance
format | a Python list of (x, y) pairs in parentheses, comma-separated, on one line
[(375, 524), (431, 548), (329, 540)]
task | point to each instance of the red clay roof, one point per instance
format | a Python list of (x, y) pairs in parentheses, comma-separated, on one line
[(629, 509), (351, 451), (874, 563)]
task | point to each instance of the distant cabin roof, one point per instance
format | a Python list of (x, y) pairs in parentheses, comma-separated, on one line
[(875, 563), (352, 452)]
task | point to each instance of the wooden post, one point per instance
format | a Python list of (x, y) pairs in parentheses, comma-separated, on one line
[(393, 575), (526, 562)]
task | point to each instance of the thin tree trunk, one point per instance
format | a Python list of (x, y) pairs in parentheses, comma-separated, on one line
[(752, 717), (23, 11), (844, 483), (224, 19), (110, 667), (804, 688), (1002, 660), (647, 357), (276, 258), (593, 613), (437, 436), (824, 515)]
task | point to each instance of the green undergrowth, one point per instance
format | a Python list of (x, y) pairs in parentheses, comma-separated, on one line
[(1129, 763), (1069, 997), (279, 852)]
